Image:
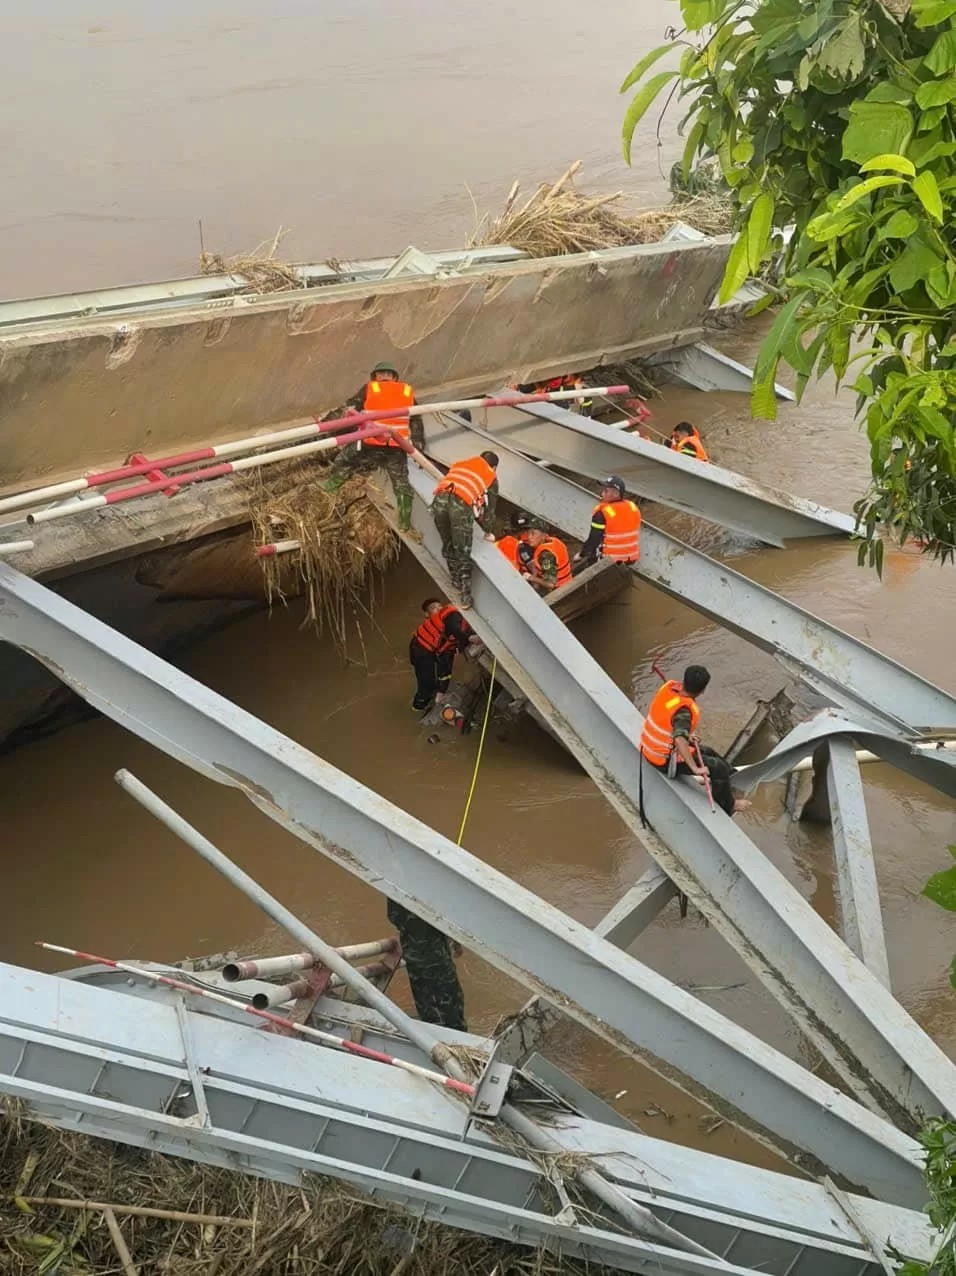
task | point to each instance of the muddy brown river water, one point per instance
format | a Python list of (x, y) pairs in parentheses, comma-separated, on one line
[(358, 125)]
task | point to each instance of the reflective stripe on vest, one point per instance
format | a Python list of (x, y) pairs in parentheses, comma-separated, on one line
[(431, 635), (622, 531), (469, 481), (692, 446), (657, 738), (560, 551), (379, 397)]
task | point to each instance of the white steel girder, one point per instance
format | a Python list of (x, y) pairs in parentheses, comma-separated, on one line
[(708, 491), (745, 1080), (865, 1034), (124, 1067), (843, 669)]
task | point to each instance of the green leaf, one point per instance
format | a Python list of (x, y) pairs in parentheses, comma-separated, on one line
[(844, 54), (932, 12), (765, 302), (896, 164), (759, 225), (941, 889), (738, 269), (700, 13), (864, 188), (639, 107), (952, 980), (694, 138), (647, 61), (887, 91), (901, 225), (941, 59), (876, 128), (913, 264), (936, 93), (929, 196), (763, 399)]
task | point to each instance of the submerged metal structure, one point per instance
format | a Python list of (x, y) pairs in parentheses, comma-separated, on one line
[(153, 1073)]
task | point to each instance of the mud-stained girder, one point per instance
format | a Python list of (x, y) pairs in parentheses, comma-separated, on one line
[(732, 1071)]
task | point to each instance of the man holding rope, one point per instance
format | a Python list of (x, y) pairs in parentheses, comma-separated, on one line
[(669, 741)]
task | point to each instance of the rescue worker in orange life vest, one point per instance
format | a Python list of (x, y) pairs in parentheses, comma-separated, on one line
[(669, 738), (550, 566), (383, 391), (467, 494), (615, 528), (514, 544), (686, 439), (432, 650)]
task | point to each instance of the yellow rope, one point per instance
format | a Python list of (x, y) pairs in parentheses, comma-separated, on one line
[(481, 745)]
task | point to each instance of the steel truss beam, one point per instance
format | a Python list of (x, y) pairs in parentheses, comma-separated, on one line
[(845, 670), (610, 992), (633, 913), (936, 767), (860, 910), (708, 491), (111, 1064), (865, 1034)]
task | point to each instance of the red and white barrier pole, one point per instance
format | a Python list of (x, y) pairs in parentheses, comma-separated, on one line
[(314, 1034), (277, 547), (256, 462), (218, 451)]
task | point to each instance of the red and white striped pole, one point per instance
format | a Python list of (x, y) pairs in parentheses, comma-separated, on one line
[(255, 462), (103, 478), (315, 1034)]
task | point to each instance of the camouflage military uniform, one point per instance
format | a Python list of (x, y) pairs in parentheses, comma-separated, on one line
[(547, 566), (455, 520), (430, 968), (354, 459)]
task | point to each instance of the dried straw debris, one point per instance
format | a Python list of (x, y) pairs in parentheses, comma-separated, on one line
[(345, 544), (260, 267), (323, 1228), (559, 219)]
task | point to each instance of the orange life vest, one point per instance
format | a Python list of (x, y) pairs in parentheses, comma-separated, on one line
[(691, 446), (509, 547), (380, 396), (558, 548), (469, 481), (622, 531), (657, 738), (431, 635)]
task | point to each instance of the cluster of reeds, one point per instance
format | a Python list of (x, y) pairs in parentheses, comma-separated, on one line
[(79, 1206), (260, 267), (344, 542), (558, 219)]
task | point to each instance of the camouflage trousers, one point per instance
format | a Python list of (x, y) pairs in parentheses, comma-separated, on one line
[(456, 525), (430, 968), (355, 459)]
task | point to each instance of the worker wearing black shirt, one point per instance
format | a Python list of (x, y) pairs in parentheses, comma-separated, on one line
[(442, 633)]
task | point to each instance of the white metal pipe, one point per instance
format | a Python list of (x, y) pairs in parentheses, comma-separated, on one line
[(374, 948), (15, 547), (244, 463), (267, 967), (864, 755), (279, 994)]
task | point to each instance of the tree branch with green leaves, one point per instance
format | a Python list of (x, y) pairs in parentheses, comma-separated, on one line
[(838, 118)]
